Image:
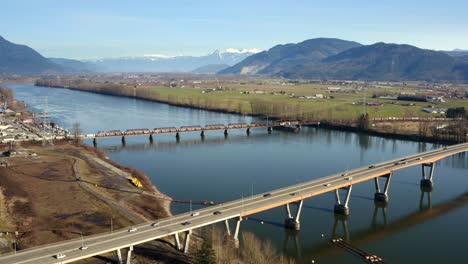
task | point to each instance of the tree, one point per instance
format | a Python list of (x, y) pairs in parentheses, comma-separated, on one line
[(206, 254), (76, 130), (363, 122), (456, 112)]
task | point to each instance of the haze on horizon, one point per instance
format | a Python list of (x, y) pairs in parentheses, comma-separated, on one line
[(89, 29)]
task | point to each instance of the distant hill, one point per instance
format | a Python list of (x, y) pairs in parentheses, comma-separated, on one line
[(380, 61), (457, 53), (281, 57), (210, 68), (21, 59), (74, 65), (162, 63)]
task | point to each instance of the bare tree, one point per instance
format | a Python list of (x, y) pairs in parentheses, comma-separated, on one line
[(76, 130)]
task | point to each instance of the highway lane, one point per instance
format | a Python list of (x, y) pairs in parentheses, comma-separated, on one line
[(99, 244)]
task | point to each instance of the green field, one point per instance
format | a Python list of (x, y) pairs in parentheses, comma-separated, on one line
[(282, 106)]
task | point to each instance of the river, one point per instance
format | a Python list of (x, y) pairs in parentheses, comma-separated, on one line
[(415, 227)]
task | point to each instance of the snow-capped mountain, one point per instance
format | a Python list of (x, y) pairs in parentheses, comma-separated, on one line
[(167, 63)]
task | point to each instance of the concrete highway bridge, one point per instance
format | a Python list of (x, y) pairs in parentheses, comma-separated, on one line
[(181, 226), (286, 125)]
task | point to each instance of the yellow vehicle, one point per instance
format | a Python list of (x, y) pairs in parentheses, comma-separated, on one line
[(136, 182)]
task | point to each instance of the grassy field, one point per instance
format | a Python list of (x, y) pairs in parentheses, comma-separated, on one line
[(283, 106)]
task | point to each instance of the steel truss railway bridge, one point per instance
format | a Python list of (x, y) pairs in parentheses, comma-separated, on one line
[(234, 212), (287, 125)]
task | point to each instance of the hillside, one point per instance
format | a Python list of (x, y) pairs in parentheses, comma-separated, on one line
[(74, 65), (338, 59), (21, 59), (289, 55), (210, 68), (380, 61)]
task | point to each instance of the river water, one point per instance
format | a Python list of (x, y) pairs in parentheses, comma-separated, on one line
[(415, 227)]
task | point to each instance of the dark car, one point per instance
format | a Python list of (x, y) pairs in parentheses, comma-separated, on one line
[(217, 213), (371, 166), (186, 223), (267, 195)]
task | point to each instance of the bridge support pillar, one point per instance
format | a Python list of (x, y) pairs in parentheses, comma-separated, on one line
[(248, 131), (119, 256), (342, 207), (129, 255), (269, 130), (151, 138), (426, 182), (177, 135), (177, 241), (202, 134), (228, 228), (94, 141), (236, 231), (382, 195), (123, 139), (225, 132), (292, 222), (187, 240)]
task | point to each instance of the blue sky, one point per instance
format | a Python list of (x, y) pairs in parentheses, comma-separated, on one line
[(114, 28)]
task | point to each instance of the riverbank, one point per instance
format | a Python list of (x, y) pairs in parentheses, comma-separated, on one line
[(339, 112), (52, 191)]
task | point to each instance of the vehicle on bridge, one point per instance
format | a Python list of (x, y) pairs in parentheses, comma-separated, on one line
[(158, 130), (215, 126), (190, 128), (260, 124), (137, 131), (109, 133), (60, 256), (237, 125)]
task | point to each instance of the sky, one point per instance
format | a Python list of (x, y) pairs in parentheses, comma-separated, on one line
[(89, 29)]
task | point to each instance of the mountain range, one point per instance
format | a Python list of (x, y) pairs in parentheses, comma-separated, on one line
[(320, 58), (325, 58), (162, 63)]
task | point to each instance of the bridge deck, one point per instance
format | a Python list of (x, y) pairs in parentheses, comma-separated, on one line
[(102, 243)]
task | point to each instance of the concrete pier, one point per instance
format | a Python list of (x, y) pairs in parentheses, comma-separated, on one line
[(341, 208)]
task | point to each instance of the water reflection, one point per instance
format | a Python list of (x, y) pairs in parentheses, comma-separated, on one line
[(378, 229), (292, 237), (422, 203), (382, 207), (344, 232)]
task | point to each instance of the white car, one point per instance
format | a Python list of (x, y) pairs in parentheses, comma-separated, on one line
[(60, 256), (155, 224), (327, 185), (195, 214), (133, 229), (348, 178), (83, 247)]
